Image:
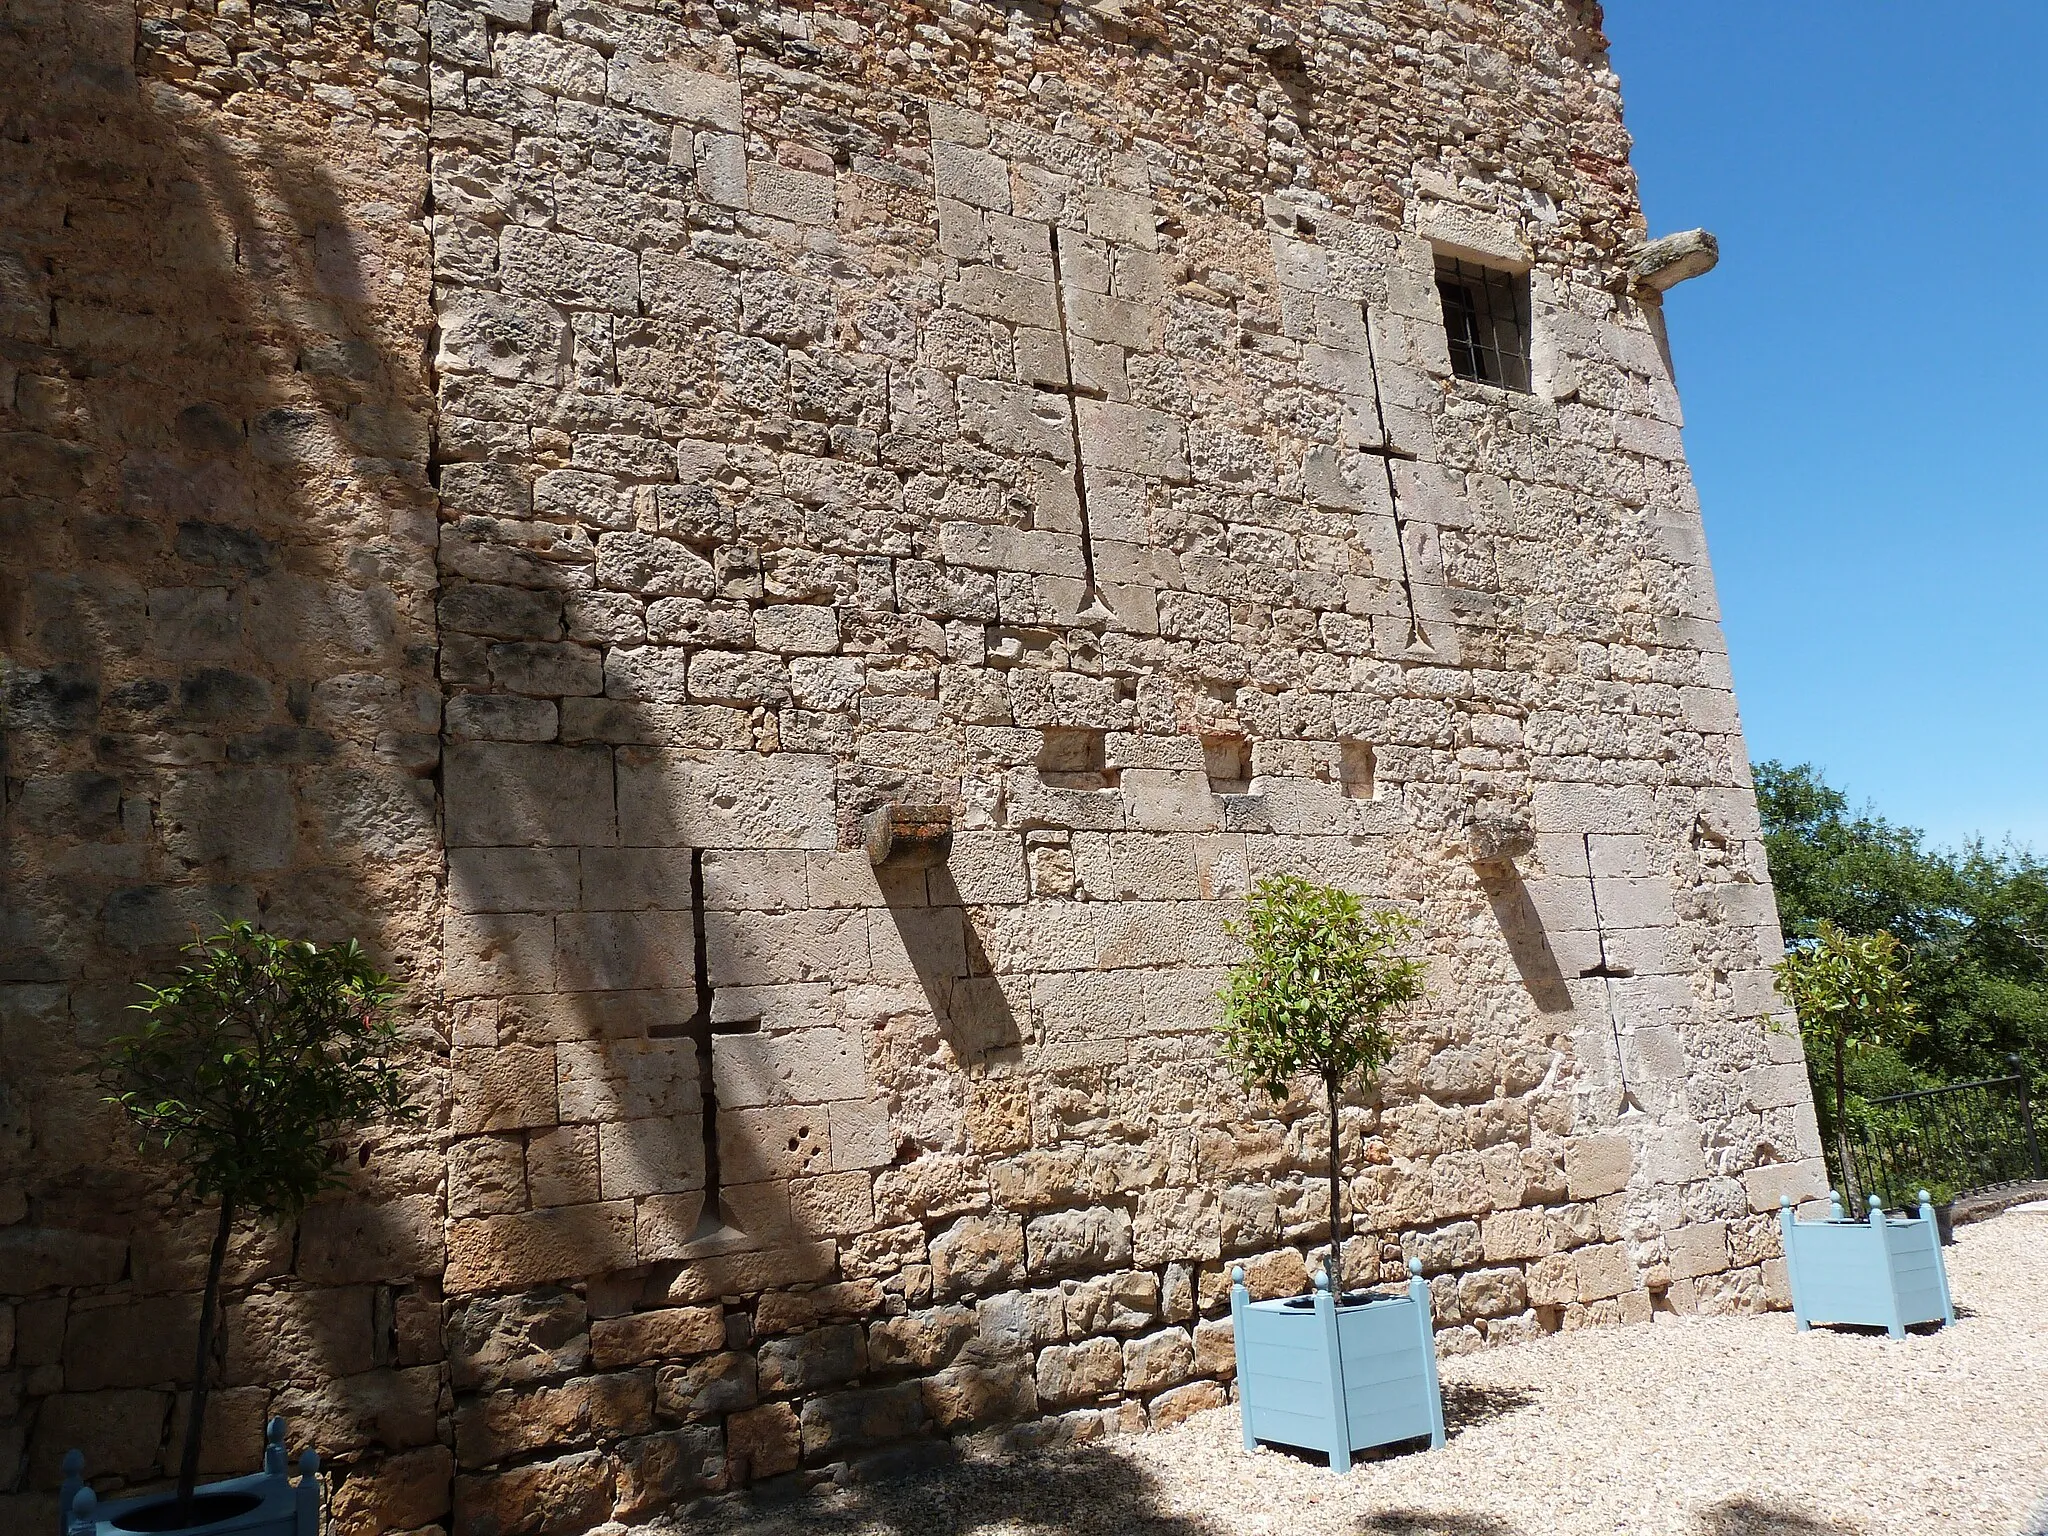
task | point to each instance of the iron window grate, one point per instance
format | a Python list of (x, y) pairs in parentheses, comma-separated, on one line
[(1486, 319)]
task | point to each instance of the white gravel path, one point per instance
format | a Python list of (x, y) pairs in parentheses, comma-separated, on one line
[(1693, 1427)]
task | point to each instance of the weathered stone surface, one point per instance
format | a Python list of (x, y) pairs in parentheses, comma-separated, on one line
[(147, 1343), (966, 1396), (709, 1388), (391, 1410), (1073, 1374), (537, 1246), (657, 1471), (764, 1442), (812, 1361), (920, 1341), (1597, 1165), (1179, 1404), (506, 1341), (764, 469), (548, 1498), (499, 1426), (839, 1422), (1064, 1242), (399, 1493), (301, 1335), (668, 1333), (977, 1253), (1159, 1360)]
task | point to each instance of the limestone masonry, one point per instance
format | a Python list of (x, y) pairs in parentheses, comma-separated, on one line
[(786, 568)]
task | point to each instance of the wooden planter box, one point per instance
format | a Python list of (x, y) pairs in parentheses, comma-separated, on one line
[(1337, 1379), (266, 1503), (1885, 1272)]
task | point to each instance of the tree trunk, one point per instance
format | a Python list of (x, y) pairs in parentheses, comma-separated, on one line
[(202, 1367), (1336, 1202), (1850, 1193)]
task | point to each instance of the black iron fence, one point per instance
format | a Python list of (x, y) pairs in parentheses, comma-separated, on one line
[(1955, 1140)]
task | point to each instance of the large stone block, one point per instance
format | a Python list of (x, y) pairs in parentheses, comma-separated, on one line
[(236, 820), (840, 1422), (562, 1243), (977, 1253), (707, 1389), (806, 1066), (624, 951), (120, 1432), (145, 1343), (569, 269), (968, 1396), (518, 794), (1158, 1361), (1074, 1242), (726, 800), (399, 1493), (1070, 1375), (1598, 1165), (499, 1426), (563, 1497), (666, 1333), (355, 1239), (393, 1410), (673, 89), (810, 1362), (503, 337), (502, 1088), (1132, 439), (657, 1472), (280, 1336)]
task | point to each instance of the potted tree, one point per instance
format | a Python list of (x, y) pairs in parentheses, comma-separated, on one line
[(1321, 977), (249, 1070), (1883, 1272), (1849, 993)]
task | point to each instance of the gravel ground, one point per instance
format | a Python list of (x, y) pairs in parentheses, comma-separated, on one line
[(1693, 1427)]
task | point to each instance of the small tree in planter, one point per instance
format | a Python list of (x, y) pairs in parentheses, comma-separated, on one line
[(250, 1069), (1849, 992), (1321, 977)]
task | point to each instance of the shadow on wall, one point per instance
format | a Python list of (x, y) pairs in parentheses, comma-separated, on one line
[(219, 702), (1521, 926)]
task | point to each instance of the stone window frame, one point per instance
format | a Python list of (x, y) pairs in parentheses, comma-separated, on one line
[(1502, 305)]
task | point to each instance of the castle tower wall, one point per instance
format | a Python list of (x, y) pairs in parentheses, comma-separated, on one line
[(567, 478)]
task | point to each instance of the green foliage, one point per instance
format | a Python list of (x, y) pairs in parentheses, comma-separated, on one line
[(255, 1060), (1972, 928), (1321, 975), (1848, 990)]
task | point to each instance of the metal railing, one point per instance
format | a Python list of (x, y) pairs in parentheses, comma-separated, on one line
[(1962, 1138)]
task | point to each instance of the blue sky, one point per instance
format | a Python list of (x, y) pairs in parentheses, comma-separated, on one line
[(1865, 378)]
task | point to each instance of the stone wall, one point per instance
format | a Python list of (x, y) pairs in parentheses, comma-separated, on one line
[(217, 538), (1040, 413)]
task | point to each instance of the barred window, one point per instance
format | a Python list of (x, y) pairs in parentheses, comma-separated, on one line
[(1486, 318)]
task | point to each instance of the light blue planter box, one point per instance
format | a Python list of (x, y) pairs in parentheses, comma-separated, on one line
[(280, 1508), (1337, 1379), (1885, 1272)]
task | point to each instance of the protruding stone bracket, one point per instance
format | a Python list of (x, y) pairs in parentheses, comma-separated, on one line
[(1495, 839), (1667, 262), (908, 836)]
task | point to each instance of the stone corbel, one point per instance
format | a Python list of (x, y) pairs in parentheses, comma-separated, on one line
[(908, 836), (1665, 263), (1495, 837)]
